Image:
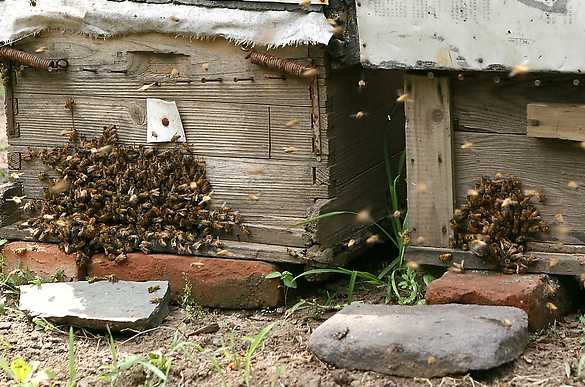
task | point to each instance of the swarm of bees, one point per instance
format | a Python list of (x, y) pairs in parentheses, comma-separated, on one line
[(112, 198), (495, 221)]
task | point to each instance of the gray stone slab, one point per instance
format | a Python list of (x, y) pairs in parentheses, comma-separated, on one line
[(423, 340), (119, 305)]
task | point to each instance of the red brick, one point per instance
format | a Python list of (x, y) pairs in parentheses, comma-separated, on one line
[(215, 282), (42, 259), (530, 292)]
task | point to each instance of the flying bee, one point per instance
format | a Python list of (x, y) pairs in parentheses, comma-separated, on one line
[(351, 242), (519, 69), (467, 145), (373, 239), (253, 197), (305, 4), (402, 97), (40, 50), (289, 149), (551, 307), (156, 300), (20, 251), (359, 115), (364, 217), (573, 184), (16, 175), (256, 171), (362, 84), (412, 265), (223, 253), (292, 123), (310, 73), (506, 322)]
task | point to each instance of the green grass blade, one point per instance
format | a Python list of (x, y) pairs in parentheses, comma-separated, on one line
[(71, 360), (351, 287)]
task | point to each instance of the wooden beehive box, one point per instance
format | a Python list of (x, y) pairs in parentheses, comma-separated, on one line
[(235, 116), (460, 128)]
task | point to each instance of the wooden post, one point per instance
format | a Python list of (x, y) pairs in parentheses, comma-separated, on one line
[(429, 156)]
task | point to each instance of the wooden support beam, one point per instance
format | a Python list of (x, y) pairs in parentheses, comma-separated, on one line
[(556, 120), (551, 263), (429, 132)]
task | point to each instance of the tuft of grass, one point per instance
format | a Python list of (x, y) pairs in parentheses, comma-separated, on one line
[(71, 360), (251, 350), (401, 283), (117, 367)]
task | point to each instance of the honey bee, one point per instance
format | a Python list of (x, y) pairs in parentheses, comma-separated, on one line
[(292, 123), (20, 250), (351, 242), (154, 288), (446, 258), (573, 184), (458, 267), (156, 300), (551, 307), (40, 50), (253, 197), (289, 149), (364, 216), (373, 239), (310, 73), (467, 145), (362, 84), (518, 69), (16, 175), (69, 103), (402, 98), (359, 115)]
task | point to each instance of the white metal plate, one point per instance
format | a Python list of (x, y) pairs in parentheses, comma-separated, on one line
[(546, 35), (163, 121)]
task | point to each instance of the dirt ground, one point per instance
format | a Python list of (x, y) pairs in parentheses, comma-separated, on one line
[(283, 358)]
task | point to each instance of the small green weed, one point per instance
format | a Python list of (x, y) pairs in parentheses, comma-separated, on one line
[(116, 369), (188, 303), (251, 350), (24, 373), (401, 283)]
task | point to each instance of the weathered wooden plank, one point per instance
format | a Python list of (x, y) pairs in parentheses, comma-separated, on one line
[(235, 249), (551, 263), (357, 144), (291, 133), (429, 159), (558, 120), (215, 129), (557, 168), (480, 104), (367, 191), (181, 68)]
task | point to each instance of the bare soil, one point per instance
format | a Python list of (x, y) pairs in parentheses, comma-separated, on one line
[(283, 358)]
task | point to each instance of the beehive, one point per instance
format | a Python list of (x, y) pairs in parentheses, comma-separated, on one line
[(278, 148)]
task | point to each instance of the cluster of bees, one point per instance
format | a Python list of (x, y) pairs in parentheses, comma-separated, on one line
[(112, 198), (495, 222)]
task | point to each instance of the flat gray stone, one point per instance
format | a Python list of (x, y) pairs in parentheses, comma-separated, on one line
[(421, 341), (119, 305)]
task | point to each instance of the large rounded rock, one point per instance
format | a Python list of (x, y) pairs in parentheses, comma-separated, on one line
[(421, 341)]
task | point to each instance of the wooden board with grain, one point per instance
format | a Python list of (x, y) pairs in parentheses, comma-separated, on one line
[(552, 263), (555, 167), (176, 68), (480, 104), (556, 120), (429, 159), (212, 128)]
